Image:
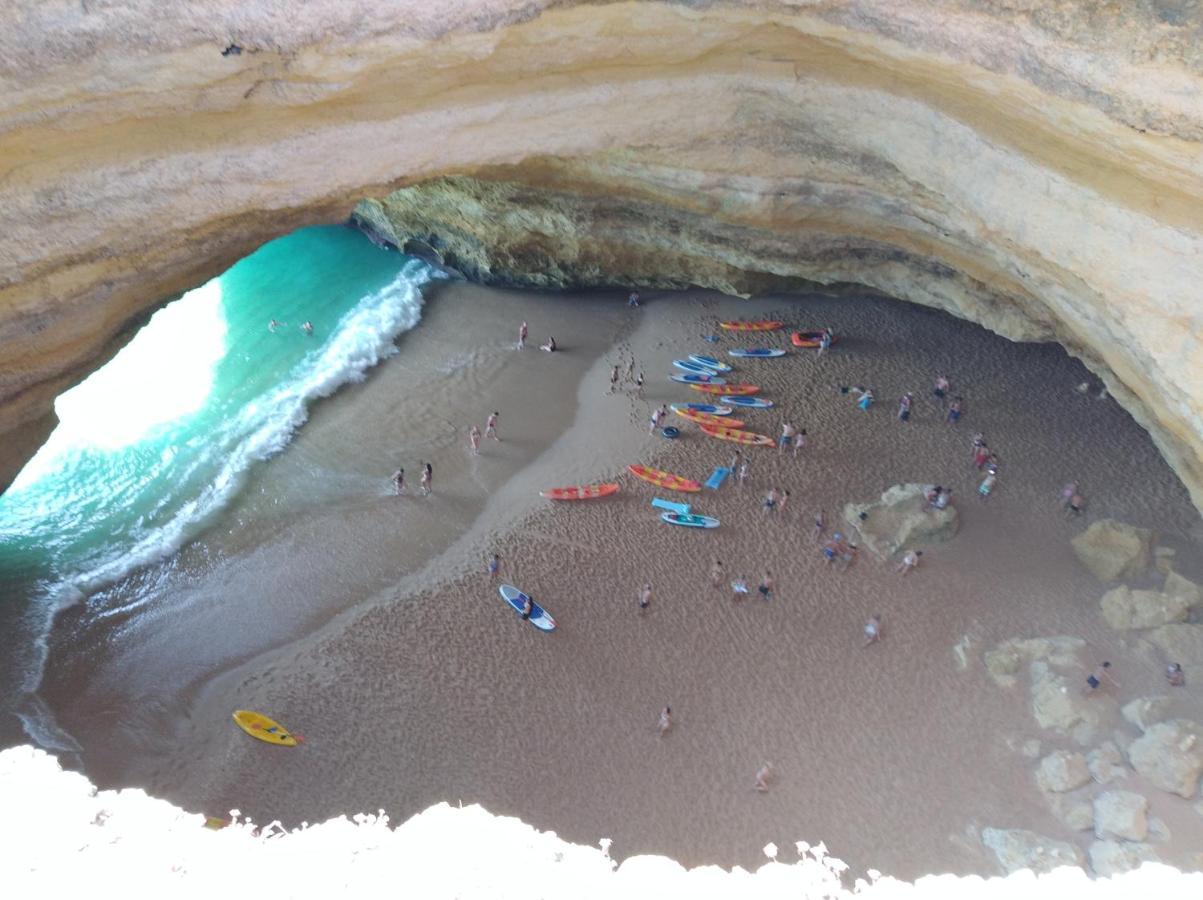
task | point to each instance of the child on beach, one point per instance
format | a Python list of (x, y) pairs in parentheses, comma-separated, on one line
[(954, 411), (872, 631), (716, 574), (522, 336), (909, 561), (491, 427), (399, 482), (645, 597), (474, 440), (766, 586), (494, 566)]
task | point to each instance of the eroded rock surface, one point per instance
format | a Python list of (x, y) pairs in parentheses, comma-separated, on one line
[(1116, 857), (1121, 814), (1111, 550), (1126, 609), (1017, 849), (901, 519), (1034, 168), (1170, 755)]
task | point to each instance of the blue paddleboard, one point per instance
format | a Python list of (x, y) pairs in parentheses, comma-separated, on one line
[(710, 363), (756, 353), (539, 617), (704, 408), (691, 521), (691, 366), (696, 379), (717, 477), (750, 402)]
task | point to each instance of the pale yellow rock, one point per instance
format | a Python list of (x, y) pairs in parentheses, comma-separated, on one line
[(1033, 167), (1126, 609)]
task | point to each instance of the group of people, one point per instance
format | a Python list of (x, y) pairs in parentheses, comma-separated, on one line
[(273, 325), (425, 483), (549, 345)]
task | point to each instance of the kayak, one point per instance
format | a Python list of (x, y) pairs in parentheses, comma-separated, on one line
[(689, 365), (702, 418), (727, 390), (739, 436), (756, 353), (703, 407), (664, 479), (750, 326), (267, 730), (696, 379), (710, 363), (580, 492), (690, 521), (539, 617), (809, 338), (748, 402)]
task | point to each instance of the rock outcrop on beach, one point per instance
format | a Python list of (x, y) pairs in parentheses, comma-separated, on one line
[(1170, 755), (1017, 848), (901, 520), (1111, 550), (1033, 167)]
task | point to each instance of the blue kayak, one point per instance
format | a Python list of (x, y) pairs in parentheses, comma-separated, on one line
[(756, 353), (749, 402), (703, 408), (539, 617), (690, 521), (710, 363), (696, 379)]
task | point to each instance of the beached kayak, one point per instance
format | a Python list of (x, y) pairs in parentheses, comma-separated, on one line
[(702, 418), (267, 730), (733, 390), (696, 379), (710, 363), (580, 492), (739, 436), (711, 408), (748, 402), (664, 479), (750, 326), (539, 617), (756, 353), (690, 521), (809, 338)]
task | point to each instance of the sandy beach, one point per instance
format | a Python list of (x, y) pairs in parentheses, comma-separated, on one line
[(367, 623)]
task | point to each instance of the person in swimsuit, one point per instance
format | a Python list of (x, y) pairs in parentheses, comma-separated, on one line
[(399, 482), (909, 561), (787, 436), (1174, 675), (307, 327), (613, 378), (645, 597), (522, 332), (738, 586), (491, 427), (494, 566), (954, 411), (1096, 678), (666, 720), (550, 346), (872, 631), (716, 574), (824, 341), (799, 442), (528, 607), (941, 389), (743, 472), (987, 486), (762, 777), (904, 406), (427, 480), (633, 299), (639, 385), (474, 440), (766, 586), (770, 500), (1074, 508), (865, 401)]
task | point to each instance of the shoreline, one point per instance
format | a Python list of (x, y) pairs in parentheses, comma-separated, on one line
[(784, 681)]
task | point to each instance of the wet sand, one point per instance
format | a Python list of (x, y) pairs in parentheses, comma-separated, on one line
[(366, 622)]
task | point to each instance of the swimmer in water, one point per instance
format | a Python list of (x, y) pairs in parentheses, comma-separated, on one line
[(307, 327)]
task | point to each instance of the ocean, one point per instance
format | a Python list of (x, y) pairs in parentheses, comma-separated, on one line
[(151, 447)]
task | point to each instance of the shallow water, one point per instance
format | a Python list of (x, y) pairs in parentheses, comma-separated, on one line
[(154, 445)]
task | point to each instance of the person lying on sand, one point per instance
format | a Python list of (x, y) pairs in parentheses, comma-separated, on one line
[(550, 346)]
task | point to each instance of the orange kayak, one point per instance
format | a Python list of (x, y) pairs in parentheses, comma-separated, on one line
[(739, 436), (808, 338), (708, 418), (664, 479), (727, 390), (580, 492), (750, 326)]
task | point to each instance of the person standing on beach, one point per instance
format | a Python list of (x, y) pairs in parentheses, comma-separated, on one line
[(1074, 507), (736, 459), (980, 455), (633, 299), (987, 485), (787, 437), (954, 411), (782, 502), (847, 557), (716, 574), (770, 500), (872, 631), (766, 586), (522, 332), (865, 401), (427, 481), (399, 482), (940, 391), (909, 561), (666, 720), (613, 379), (904, 407), (654, 421), (762, 777), (1067, 493), (494, 566), (645, 597), (639, 385), (799, 442), (820, 526), (491, 427), (824, 342), (743, 472), (474, 440)]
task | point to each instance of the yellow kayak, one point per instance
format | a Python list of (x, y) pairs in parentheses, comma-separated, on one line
[(260, 726)]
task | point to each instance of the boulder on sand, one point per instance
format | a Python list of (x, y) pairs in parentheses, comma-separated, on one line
[(1181, 643), (1125, 609), (901, 519), (1061, 771), (1016, 849), (1121, 814), (1005, 660), (1112, 550), (1145, 712), (1106, 763), (1170, 755), (1113, 857)]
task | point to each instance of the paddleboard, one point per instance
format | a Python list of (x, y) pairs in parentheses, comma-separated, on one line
[(717, 477), (580, 492), (664, 479), (539, 617), (680, 508), (756, 353), (690, 521), (267, 730), (703, 408), (702, 418), (731, 390), (739, 436), (697, 379), (749, 402), (809, 338), (751, 326), (689, 365), (710, 363)]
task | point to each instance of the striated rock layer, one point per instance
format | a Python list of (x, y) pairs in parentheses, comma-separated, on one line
[(1035, 167)]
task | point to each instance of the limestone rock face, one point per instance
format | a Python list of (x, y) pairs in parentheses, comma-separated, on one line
[(1170, 755), (1033, 167), (1113, 550), (1181, 643), (1062, 770), (1005, 661), (1126, 609), (1121, 814), (1016, 849), (1116, 857), (901, 519), (1106, 763), (1058, 706), (1178, 586), (1075, 812), (1145, 712)]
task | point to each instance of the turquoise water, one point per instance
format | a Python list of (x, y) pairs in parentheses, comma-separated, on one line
[(154, 445)]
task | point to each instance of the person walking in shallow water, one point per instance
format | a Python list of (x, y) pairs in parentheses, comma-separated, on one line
[(427, 480), (522, 332), (399, 482), (474, 440), (716, 575), (491, 427)]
